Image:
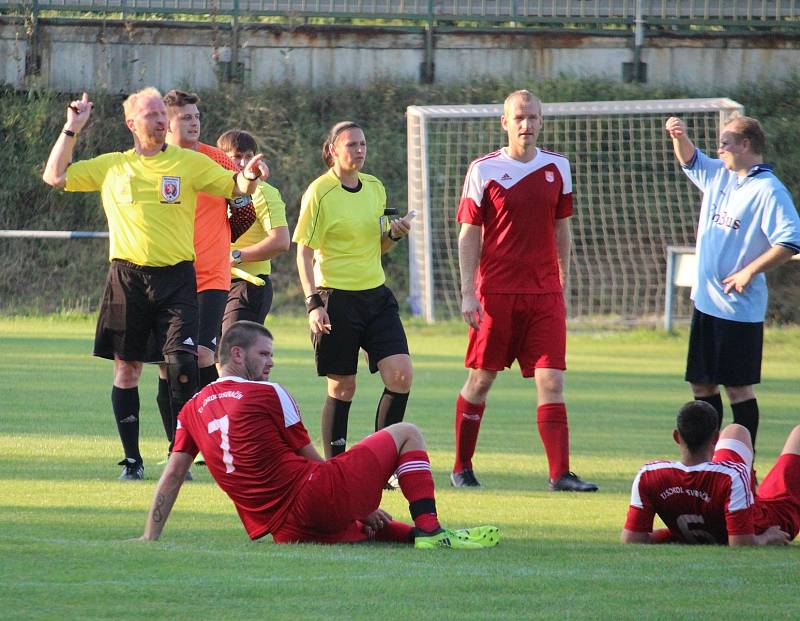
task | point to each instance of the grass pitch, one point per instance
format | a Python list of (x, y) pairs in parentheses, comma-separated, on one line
[(65, 521)]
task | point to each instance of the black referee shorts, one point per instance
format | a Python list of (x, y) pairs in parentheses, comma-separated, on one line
[(140, 303), (724, 352), (368, 319), (248, 302)]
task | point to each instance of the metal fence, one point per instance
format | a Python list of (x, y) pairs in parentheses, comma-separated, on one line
[(681, 13)]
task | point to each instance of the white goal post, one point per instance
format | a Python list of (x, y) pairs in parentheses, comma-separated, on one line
[(631, 200)]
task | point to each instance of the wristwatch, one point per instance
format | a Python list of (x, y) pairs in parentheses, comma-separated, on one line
[(236, 255)]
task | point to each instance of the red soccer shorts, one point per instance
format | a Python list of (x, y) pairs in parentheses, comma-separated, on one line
[(530, 328), (339, 492), (778, 497)]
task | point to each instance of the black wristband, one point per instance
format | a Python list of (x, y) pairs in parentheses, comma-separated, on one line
[(394, 239), (314, 301), (70, 133)]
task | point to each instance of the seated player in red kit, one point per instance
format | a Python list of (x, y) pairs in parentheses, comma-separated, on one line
[(708, 496), (258, 451)]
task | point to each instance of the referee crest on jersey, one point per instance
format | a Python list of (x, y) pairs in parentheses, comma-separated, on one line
[(170, 189)]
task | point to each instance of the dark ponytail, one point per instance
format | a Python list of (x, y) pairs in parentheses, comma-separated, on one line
[(333, 134)]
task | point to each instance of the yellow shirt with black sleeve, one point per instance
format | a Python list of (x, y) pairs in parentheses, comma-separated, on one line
[(344, 229), (270, 214), (150, 201)]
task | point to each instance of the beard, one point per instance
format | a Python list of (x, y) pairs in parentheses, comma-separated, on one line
[(153, 138), (254, 372)]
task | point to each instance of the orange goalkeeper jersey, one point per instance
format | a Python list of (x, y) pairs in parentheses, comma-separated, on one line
[(212, 233)]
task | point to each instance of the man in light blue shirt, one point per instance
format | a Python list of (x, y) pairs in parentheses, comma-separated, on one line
[(748, 225)]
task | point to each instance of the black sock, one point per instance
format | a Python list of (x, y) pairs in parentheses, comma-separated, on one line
[(745, 413), (164, 406), (125, 403), (339, 410), (208, 375), (391, 408), (716, 401)]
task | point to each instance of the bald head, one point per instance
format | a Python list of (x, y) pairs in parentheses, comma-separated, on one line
[(522, 96)]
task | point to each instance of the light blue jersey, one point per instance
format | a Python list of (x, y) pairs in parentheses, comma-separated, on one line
[(740, 219)]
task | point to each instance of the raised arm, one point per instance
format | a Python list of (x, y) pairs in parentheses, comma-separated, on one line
[(247, 180), (683, 147), (166, 493), (470, 244), (55, 171)]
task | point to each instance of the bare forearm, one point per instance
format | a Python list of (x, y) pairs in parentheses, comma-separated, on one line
[(55, 171), (563, 248), (632, 536), (245, 186), (684, 149), (164, 500), (774, 257), (305, 269), (469, 256), (275, 243), (310, 453)]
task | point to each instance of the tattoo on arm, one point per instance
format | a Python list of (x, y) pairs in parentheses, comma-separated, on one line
[(157, 514)]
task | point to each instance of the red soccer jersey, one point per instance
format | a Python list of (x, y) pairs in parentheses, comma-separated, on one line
[(699, 504), (249, 433), (212, 233), (517, 205)]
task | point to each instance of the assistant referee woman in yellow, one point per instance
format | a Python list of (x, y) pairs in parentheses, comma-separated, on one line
[(341, 233)]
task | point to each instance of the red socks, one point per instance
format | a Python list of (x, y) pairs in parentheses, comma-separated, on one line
[(551, 419), (416, 482), (468, 424)]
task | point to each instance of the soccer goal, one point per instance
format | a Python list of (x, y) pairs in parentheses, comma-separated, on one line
[(631, 199)]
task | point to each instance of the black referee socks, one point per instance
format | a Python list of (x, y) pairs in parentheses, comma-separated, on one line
[(745, 413), (391, 408), (125, 403), (334, 422), (716, 401)]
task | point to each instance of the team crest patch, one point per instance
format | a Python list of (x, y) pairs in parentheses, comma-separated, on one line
[(549, 176), (170, 189)]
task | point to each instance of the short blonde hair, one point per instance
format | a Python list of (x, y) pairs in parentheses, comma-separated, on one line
[(129, 105), (525, 95)]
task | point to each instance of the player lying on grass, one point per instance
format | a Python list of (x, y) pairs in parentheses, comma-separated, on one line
[(707, 496), (258, 451)]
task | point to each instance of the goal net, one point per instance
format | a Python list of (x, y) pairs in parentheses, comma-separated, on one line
[(630, 199)]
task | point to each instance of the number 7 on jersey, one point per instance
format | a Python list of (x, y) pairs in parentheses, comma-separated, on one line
[(221, 425)]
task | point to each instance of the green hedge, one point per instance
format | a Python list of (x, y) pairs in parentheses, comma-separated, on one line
[(42, 276)]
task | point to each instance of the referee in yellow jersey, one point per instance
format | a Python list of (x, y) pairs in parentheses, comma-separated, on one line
[(148, 194), (341, 233)]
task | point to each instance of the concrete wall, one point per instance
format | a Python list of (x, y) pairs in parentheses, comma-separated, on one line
[(120, 57)]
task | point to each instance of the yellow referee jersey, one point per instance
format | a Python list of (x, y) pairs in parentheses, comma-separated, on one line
[(344, 230), (270, 214), (150, 201)]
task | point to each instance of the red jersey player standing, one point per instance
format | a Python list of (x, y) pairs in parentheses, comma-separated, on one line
[(707, 496), (513, 251), (259, 452)]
